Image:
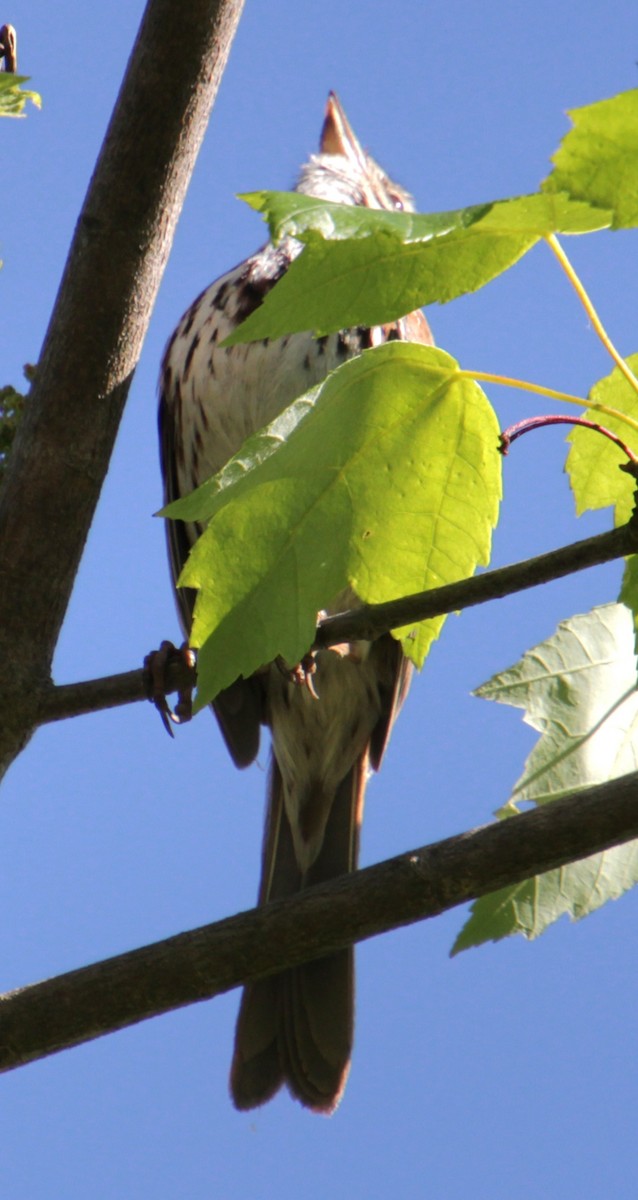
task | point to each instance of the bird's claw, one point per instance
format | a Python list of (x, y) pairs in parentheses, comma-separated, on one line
[(303, 673), (156, 665)]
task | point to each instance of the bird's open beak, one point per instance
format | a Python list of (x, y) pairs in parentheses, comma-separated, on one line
[(337, 136)]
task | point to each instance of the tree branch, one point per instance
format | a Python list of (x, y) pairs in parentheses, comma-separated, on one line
[(111, 691), (365, 623), (76, 1007), (371, 620), (115, 264)]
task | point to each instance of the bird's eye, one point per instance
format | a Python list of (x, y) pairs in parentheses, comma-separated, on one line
[(396, 201)]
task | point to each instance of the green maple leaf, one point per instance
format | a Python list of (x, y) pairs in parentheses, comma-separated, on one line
[(13, 99), (366, 267), (598, 159), (593, 465), (385, 479)]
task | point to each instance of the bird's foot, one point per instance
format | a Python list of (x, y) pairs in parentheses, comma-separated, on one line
[(169, 669)]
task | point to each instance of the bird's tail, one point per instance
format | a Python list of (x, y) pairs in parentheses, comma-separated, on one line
[(297, 1028)]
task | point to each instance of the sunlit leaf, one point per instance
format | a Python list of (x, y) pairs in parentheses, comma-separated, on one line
[(13, 99), (387, 481), (593, 465), (378, 266), (598, 159), (593, 462)]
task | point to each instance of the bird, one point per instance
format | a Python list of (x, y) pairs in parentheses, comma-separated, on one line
[(294, 1028)]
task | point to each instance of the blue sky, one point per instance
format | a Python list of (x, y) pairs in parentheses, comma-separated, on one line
[(507, 1072)]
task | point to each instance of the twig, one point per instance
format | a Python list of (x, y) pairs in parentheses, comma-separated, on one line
[(366, 623), (111, 691), (9, 48), (372, 620), (531, 424)]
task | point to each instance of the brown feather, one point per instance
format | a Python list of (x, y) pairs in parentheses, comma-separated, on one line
[(297, 1027)]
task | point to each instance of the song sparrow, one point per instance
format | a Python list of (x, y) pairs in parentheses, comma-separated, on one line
[(295, 1028)]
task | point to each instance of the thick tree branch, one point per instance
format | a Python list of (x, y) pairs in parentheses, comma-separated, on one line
[(119, 251), (76, 1007), (368, 622)]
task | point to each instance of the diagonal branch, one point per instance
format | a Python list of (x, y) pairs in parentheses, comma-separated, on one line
[(366, 623), (115, 264), (76, 1007), (372, 620)]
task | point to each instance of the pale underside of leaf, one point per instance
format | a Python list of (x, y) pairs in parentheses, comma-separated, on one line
[(578, 689)]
